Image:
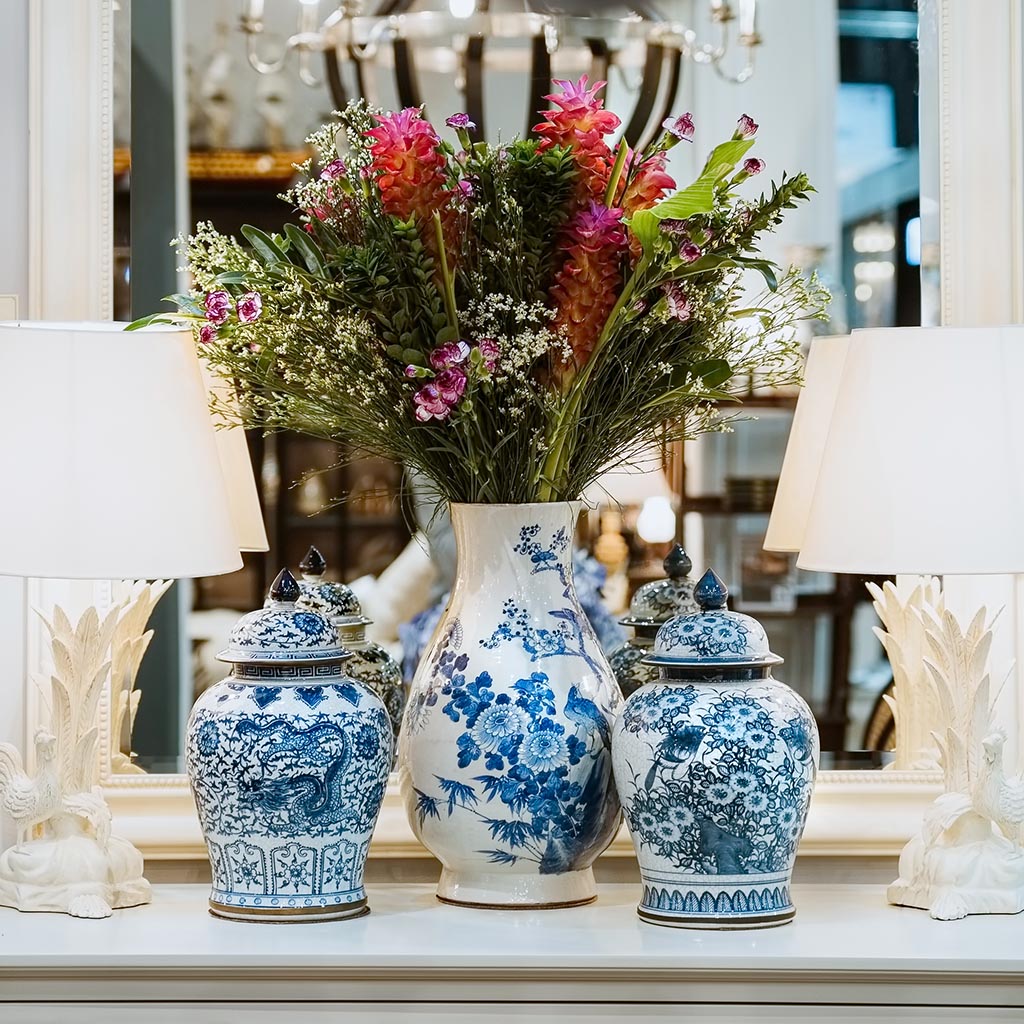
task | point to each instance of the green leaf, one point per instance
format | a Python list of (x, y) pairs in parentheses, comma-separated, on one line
[(644, 226), (413, 357), (233, 277), (446, 335), (187, 303), (310, 253), (700, 196), (153, 318), (268, 249), (712, 371)]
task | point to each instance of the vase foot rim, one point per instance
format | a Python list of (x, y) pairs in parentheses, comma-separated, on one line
[(559, 905), (290, 915), (710, 922)]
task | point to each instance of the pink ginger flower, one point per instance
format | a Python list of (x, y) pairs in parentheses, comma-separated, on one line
[(581, 123), (218, 307), (409, 170), (249, 307), (587, 286)]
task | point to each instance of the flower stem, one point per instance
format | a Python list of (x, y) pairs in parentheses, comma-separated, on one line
[(613, 181), (447, 284)]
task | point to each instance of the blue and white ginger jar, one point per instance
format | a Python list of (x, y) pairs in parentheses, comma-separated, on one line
[(653, 604), (370, 663), (715, 765), (288, 759), (504, 759)]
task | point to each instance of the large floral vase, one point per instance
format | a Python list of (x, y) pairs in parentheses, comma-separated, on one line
[(715, 765), (288, 759), (505, 751)]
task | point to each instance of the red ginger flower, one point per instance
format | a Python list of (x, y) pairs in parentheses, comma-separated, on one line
[(648, 187), (587, 286), (580, 122), (409, 171)]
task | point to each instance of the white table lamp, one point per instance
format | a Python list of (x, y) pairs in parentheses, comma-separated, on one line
[(113, 471), (923, 472), (807, 435)]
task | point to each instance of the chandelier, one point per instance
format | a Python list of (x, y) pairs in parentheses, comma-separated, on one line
[(468, 41)]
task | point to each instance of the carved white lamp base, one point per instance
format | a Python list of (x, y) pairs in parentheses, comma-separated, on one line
[(960, 868), (73, 874)]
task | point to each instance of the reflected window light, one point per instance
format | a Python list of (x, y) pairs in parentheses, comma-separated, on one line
[(656, 523), (462, 8), (863, 292), (874, 237), (913, 242), (874, 270)]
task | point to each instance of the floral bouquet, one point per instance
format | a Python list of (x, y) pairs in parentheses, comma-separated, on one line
[(508, 320)]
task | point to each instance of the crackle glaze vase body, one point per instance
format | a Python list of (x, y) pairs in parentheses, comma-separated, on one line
[(288, 759), (505, 751), (715, 764)]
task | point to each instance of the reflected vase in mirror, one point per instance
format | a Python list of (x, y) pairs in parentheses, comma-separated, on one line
[(653, 604), (370, 663), (715, 764), (504, 757), (288, 759)]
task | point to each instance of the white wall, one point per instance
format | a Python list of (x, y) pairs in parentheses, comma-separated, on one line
[(13, 281)]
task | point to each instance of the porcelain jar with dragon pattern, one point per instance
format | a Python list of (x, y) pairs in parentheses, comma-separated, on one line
[(370, 663), (288, 759), (715, 764), (653, 604), (505, 751)]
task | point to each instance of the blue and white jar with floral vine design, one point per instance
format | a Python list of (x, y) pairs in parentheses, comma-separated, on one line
[(288, 759), (504, 756), (715, 765)]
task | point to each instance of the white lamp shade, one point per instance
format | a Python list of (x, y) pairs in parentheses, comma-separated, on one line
[(236, 465), (923, 469), (807, 436), (631, 483), (109, 461)]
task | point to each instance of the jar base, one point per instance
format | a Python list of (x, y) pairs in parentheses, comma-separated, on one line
[(487, 890), (290, 915), (712, 923)]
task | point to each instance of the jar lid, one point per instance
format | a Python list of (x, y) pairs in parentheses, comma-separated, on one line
[(713, 635), (280, 632), (333, 600), (656, 602)]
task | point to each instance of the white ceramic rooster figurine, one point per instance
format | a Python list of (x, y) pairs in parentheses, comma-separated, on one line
[(967, 858), (68, 861)]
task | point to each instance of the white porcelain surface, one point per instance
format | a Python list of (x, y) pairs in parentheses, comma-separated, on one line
[(504, 753)]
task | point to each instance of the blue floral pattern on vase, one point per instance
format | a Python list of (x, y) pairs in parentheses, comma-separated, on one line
[(715, 765), (504, 757)]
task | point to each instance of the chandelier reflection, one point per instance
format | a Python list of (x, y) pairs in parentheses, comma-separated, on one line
[(474, 45)]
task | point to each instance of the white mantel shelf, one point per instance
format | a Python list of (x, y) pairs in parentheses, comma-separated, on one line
[(846, 948)]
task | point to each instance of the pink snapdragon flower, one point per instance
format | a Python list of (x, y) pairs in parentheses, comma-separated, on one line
[(678, 304), (207, 334), (453, 354), (249, 307), (746, 127), (429, 405), (690, 252), (335, 169), (491, 353), (450, 384), (462, 121), (754, 165), (681, 127), (218, 307)]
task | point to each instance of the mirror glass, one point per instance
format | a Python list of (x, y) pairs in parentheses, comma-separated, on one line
[(209, 121)]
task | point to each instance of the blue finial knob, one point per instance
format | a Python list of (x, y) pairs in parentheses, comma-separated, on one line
[(314, 564), (711, 593), (285, 588), (677, 563)]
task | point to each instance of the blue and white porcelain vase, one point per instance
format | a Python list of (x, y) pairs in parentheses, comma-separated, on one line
[(653, 604), (505, 753), (715, 764), (288, 759), (370, 663)]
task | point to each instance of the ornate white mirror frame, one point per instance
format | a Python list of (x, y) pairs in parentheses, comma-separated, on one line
[(973, 63)]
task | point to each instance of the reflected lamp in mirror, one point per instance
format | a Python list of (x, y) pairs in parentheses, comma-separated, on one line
[(914, 477), (118, 475)]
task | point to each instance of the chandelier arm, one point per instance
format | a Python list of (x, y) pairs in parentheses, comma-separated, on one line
[(335, 82), (540, 81), (743, 75), (360, 69), (257, 63), (674, 57), (475, 84), (405, 74), (600, 59), (648, 94)]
